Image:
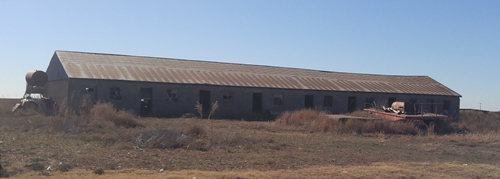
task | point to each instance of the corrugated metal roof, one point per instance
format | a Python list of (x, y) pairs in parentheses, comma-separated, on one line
[(166, 70)]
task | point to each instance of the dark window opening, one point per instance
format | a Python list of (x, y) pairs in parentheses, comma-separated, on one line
[(309, 101), (257, 102), (278, 100), (114, 93), (226, 97), (390, 101), (172, 95), (328, 101), (351, 103), (370, 103)]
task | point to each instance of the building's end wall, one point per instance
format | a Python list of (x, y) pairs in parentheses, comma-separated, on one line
[(58, 91)]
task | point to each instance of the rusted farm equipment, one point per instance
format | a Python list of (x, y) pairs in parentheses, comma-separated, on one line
[(34, 98), (413, 112)]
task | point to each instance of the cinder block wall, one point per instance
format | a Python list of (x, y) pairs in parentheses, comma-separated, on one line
[(240, 103)]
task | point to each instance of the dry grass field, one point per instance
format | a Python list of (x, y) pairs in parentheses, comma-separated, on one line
[(105, 143)]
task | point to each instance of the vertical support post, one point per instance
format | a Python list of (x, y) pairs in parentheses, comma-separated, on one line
[(435, 108), (422, 109)]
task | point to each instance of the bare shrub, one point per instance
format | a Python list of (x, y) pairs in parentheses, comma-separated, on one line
[(3, 172), (352, 126), (195, 138), (195, 130), (326, 125), (36, 166), (105, 113), (64, 167), (162, 138), (403, 127), (301, 117), (478, 121), (99, 171), (462, 127)]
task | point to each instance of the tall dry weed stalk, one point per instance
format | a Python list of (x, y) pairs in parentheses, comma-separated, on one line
[(199, 108), (215, 106)]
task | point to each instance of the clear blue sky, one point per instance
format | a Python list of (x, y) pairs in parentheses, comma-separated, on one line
[(455, 42)]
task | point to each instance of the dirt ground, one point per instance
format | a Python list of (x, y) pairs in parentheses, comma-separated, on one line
[(244, 146), (37, 146)]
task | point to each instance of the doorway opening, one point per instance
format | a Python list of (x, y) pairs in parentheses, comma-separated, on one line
[(309, 101), (205, 102), (257, 102), (146, 107), (351, 103), (390, 101)]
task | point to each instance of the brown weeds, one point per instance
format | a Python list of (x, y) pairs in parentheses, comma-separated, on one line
[(318, 121), (103, 113), (478, 122)]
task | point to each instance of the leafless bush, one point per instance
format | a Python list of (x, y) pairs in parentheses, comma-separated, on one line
[(3, 172), (162, 138), (64, 167), (105, 113), (478, 121), (302, 117), (195, 130)]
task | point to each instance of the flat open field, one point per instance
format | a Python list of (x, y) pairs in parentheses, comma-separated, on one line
[(201, 148)]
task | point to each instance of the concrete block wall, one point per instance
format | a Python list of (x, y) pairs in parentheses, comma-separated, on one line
[(240, 103)]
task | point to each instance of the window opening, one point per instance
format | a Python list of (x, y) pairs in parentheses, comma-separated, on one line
[(278, 100), (114, 93)]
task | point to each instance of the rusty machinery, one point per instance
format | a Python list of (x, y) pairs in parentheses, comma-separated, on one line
[(34, 97)]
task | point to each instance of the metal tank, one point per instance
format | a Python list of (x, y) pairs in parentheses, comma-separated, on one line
[(36, 78)]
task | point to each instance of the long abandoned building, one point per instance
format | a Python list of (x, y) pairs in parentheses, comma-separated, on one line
[(169, 87)]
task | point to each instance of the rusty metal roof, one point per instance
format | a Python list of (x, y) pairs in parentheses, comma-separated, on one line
[(166, 70)]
